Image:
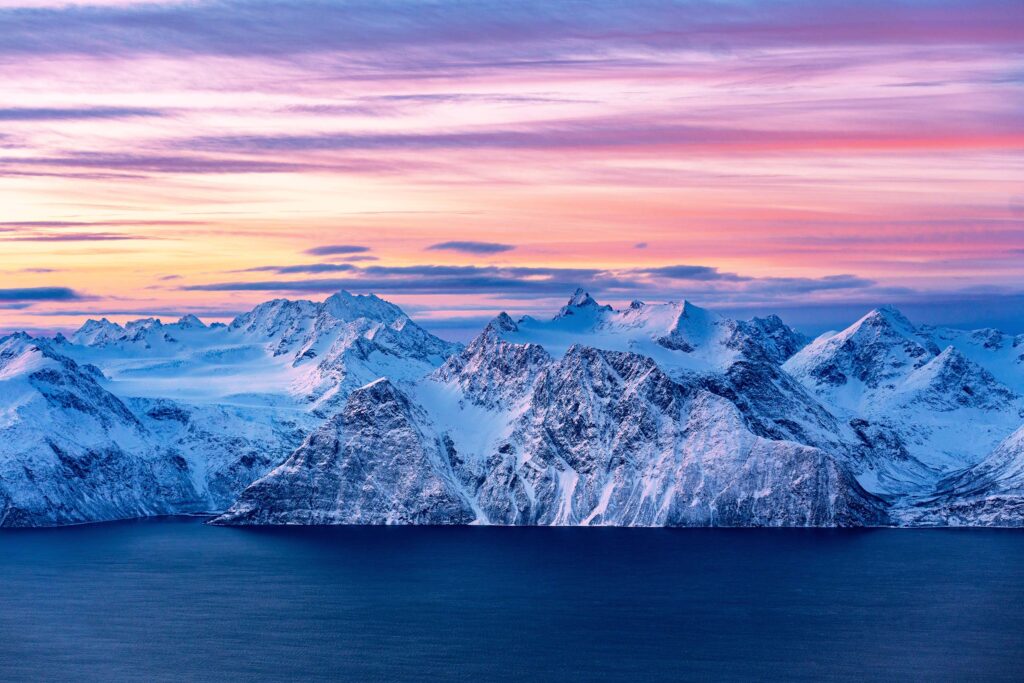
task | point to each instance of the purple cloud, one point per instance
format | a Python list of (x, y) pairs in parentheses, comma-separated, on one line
[(472, 247), (39, 294), (682, 272), (331, 249), (75, 237), (302, 268), (531, 31), (71, 114), (519, 281)]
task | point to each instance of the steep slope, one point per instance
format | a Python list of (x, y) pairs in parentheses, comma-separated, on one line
[(491, 371), (597, 437), (70, 451), (370, 464), (739, 360), (877, 349), (221, 405), (225, 447), (927, 411), (989, 494), (999, 353), (657, 414)]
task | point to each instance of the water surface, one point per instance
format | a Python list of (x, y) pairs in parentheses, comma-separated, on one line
[(171, 600)]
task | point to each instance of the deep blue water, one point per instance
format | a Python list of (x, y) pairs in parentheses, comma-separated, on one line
[(178, 600)]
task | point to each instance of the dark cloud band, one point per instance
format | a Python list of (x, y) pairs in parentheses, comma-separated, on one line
[(472, 247)]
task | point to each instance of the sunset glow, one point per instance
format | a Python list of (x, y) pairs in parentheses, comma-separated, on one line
[(164, 158)]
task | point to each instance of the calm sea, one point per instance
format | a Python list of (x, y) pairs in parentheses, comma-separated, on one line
[(175, 600)]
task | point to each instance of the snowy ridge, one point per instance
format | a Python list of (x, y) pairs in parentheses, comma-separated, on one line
[(152, 418), (70, 451), (345, 411), (932, 410), (989, 494), (314, 353), (604, 438)]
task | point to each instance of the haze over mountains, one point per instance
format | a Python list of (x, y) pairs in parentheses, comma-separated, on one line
[(348, 412)]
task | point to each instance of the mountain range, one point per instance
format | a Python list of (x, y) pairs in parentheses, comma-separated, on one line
[(659, 414)]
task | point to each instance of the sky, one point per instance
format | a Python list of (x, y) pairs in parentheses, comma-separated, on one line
[(813, 158)]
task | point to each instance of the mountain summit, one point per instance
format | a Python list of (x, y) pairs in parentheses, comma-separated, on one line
[(346, 411)]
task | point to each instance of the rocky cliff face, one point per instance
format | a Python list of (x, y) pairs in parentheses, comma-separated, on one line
[(148, 418), (70, 451), (990, 493), (920, 412), (594, 437), (372, 463), (347, 412)]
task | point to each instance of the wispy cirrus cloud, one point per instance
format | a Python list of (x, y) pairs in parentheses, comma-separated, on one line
[(8, 225), (535, 29), (73, 237), (600, 133), (74, 113), (169, 163), (816, 151)]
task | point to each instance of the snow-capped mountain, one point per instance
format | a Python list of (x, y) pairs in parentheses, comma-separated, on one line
[(70, 451), (346, 411), (933, 409), (999, 353), (990, 493), (594, 417), (737, 360), (600, 437), (206, 410), (313, 352)]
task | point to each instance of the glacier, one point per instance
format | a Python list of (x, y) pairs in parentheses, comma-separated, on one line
[(345, 411)]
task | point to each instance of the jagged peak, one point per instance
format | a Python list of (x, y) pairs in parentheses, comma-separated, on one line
[(190, 320), (380, 390), (951, 360), (581, 301), (143, 324), (94, 324), (692, 318), (692, 310), (18, 336), (580, 298), (771, 321), (16, 343), (272, 311), (20, 348), (347, 306), (887, 314), (949, 354), (502, 322), (885, 322)]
